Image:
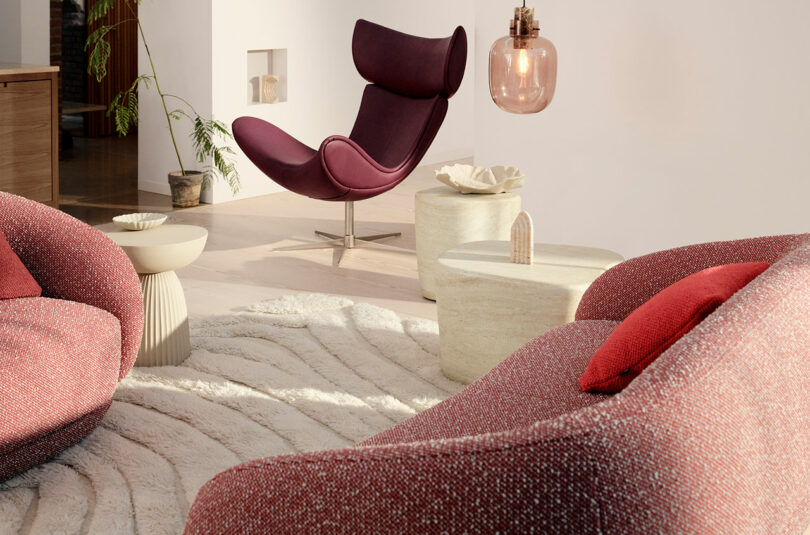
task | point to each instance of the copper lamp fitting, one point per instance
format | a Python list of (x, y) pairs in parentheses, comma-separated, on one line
[(523, 27)]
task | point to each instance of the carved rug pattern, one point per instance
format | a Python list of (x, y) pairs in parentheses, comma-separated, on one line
[(299, 373)]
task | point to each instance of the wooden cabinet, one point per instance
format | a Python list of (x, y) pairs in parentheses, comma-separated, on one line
[(29, 132)]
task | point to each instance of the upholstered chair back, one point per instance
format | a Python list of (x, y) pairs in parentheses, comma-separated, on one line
[(411, 79)]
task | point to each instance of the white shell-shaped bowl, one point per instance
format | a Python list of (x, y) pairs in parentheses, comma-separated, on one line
[(473, 179), (139, 221)]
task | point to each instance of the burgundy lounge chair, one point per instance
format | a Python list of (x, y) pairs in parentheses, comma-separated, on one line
[(401, 111)]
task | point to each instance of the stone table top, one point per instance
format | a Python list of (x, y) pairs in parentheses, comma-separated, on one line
[(565, 265)]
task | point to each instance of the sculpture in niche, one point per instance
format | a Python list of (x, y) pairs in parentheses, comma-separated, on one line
[(522, 246), (268, 89)]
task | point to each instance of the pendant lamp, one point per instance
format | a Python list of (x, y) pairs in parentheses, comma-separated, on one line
[(522, 66)]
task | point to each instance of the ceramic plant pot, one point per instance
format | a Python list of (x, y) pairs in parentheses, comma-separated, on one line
[(185, 188)]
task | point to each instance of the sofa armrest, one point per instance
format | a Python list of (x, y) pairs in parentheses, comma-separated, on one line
[(74, 261), (485, 484), (623, 288)]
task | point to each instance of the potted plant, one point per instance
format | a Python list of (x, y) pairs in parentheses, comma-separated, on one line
[(209, 136)]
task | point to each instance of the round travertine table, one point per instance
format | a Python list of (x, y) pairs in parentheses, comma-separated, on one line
[(489, 307), (156, 253), (446, 218)]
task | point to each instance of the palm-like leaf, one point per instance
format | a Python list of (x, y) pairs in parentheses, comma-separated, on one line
[(99, 53), (99, 10)]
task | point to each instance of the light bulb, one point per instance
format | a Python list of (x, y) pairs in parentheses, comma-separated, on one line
[(523, 62)]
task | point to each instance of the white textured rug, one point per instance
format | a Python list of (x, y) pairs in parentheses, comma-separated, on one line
[(298, 373)]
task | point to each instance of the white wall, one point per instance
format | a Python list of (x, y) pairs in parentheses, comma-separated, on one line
[(179, 37), (25, 31), (35, 37), (10, 31), (671, 124), (324, 88)]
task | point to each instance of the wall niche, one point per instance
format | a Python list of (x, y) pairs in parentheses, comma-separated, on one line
[(267, 76)]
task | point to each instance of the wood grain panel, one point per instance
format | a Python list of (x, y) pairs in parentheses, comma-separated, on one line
[(122, 67), (26, 152)]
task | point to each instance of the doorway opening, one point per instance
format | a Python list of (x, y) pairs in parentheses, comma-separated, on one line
[(98, 169)]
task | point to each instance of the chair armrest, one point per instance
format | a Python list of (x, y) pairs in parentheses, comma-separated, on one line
[(623, 288), (481, 484), (349, 166), (74, 261)]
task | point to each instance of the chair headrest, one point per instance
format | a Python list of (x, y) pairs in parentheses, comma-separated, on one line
[(414, 66)]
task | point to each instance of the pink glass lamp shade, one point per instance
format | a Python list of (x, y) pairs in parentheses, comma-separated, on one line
[(522, 66)]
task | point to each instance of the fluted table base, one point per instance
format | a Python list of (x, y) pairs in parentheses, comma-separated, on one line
[(165, 329), (156, 253)]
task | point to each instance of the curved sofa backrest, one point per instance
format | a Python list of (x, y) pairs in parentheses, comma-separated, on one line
[(713, 437), (74, 261), (642, 277)]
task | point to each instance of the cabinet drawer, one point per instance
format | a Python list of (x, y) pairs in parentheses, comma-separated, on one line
[(26, 139)]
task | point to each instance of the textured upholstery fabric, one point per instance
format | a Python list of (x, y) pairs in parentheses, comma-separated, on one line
[(59, 361), (623, 288), (73, 261), (62, 354), (15, 281), (657, 324), (395, 131), (711, 438), (508, 396), (398, 119), (45, 447), (409, 65)]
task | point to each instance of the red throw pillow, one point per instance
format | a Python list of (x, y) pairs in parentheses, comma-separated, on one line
[(657, 324), (15, 280)]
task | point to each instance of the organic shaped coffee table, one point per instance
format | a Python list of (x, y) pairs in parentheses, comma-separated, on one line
[(489, 306)]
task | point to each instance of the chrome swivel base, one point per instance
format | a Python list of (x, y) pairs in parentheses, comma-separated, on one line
[(348, 240)]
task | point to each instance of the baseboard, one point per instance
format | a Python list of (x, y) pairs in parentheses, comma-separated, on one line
[(154, 186)]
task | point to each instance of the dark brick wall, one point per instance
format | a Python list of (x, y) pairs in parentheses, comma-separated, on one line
[(56, 58), (74, 33), (56, 32)]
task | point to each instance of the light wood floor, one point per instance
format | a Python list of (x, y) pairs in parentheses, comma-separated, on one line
[(238, 267)]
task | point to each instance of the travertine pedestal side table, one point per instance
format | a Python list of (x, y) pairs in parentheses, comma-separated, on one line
[(488, 307), (446, 218), (156, 253)]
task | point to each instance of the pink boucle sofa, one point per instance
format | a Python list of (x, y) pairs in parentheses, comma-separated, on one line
[(714, 437), (62, 354)]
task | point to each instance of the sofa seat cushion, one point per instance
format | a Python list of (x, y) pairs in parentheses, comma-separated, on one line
[(59, 361), (538, 382)]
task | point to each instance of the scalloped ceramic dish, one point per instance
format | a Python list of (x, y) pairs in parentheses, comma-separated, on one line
[(472, 179), (141, 221)]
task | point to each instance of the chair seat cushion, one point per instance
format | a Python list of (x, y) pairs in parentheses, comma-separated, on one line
[(59, 361), (289, 162), (538, 382)]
